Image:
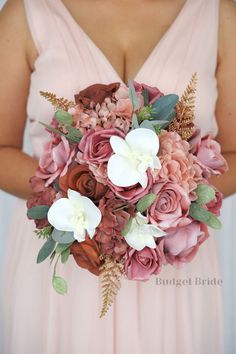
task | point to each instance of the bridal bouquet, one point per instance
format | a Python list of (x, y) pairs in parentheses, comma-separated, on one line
[(123, 183)]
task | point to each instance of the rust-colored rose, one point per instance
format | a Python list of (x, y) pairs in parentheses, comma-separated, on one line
[(81, 179), (86, 255), (96, 93)]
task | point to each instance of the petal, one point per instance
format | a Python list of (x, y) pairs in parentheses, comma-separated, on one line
[(121, 172), (157, 163), (143, 180), (93, 214), (79, 236), (156, 231), (143, 140), (119, 146), (150, 242), (135, 241), (59, 214), (141, 219), (91, 232)]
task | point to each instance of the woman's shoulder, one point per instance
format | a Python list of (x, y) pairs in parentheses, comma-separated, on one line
[(15, 30), (227, 28)]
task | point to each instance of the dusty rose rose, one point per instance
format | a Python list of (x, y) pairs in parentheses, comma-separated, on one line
[(182, 243), (134, 193), (124, 107), (215, 205), (114, 219), (55, 161), (154, 93), (171, 206), (37, 184), (40, 196), (86, 254), (140, 265), (209, 153), (81, 179), (95, 146), (96, 93)]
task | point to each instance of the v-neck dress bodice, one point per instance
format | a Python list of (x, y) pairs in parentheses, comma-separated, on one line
[(173, 313)]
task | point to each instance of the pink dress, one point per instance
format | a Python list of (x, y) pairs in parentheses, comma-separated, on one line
[(148, 317)]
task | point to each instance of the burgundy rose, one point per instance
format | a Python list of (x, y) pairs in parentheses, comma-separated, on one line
[(134, 193), (95, 145), (153, 92), (140, 265), (40, 196), (96, 93), (182, 243), (170, 207)]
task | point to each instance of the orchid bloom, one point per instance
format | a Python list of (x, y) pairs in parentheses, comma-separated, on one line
[(133, 156), (141, 234), (76, 214)]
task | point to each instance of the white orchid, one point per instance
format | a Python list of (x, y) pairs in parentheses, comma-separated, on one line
[(76, 213), (133, 156), (141, 234)]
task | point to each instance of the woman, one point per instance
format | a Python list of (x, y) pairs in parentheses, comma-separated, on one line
[(56, 46)]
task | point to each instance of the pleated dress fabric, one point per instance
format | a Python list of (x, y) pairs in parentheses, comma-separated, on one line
[(147, 317)]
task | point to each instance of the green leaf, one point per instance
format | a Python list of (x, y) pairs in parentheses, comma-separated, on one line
[(200, 214), (56, 186), (205, 194), (163, 108), (145, 95), (38, 212), (61, 247), (46, 250), (145, 202), (63, 236), (127, 227), (65, 255), (60, 285), (74, 134), (135, 124), (133, 96), (56, 131), (147, 124), (63, 117)]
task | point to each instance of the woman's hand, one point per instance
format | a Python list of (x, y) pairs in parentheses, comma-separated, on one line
[(15, 42), (226, 103)]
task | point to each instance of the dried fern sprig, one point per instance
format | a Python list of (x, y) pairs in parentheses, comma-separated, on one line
[(58, 103), (110, 276), (183, 123)]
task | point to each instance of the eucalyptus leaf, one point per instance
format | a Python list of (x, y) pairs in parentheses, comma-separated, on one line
[(145, 95), (74, 134), (198, 213), (145, 202), (148, 125), (63, 236), (65, 255), (60, 285), (56, 131), (127, 227), (133, 96), (38, 212), (63, 117), (163, 108), (205, 194), (46, 250), (135, 123), (61, 247)]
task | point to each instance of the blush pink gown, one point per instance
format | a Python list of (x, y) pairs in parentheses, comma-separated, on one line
[(146, 318)]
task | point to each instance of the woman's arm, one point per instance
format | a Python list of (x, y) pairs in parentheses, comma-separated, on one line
[(16, 167), (226, 103)]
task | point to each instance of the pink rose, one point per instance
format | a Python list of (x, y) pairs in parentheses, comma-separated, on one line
[(215, 205), (124, 107), (140, 265), (55, 160), (134, 193), (171, 206), (95, 145), (153, 92), (209, 153), (182, 243)]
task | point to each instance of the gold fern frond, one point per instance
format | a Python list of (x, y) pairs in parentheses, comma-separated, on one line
[(58, 103), (183, 122), (110, 276)]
